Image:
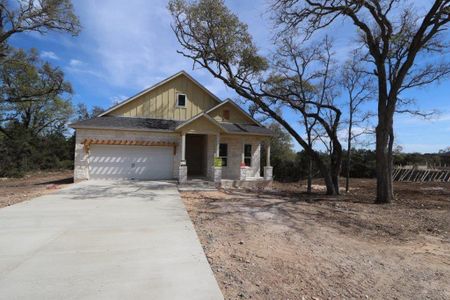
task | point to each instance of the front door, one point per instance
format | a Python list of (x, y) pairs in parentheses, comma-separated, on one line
[(196, 154)]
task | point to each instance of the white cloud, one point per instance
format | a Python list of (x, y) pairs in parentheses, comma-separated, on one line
[(49, 55), (131, 41), (133, 46), (78, 67), (75, 63)]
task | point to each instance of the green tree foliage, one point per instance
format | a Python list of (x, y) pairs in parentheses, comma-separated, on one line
[(83, 113), (34, 97), (17, 16), (34, 111), (34, 93)]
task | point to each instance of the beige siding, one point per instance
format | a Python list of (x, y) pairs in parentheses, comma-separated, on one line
[(236, 116), (160, 103), (201, 125)]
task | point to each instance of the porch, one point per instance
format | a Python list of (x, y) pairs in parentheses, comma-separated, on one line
[(222, 159)]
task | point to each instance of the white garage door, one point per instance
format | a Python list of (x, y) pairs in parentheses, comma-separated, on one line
[(130, 162)]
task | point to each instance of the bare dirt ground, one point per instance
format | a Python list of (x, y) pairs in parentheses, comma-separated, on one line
[(283, 244), (15, 190)]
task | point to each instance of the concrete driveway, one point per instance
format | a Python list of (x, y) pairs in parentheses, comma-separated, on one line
[(103, 240)]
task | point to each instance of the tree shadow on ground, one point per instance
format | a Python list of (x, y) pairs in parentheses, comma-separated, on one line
[(67, 180)]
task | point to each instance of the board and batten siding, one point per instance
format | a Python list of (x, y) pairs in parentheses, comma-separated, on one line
[(236, 116), (160, 103)]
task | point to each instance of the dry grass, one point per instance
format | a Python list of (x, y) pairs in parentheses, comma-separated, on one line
[(15, 190)]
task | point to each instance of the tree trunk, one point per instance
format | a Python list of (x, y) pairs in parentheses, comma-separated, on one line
[(326, 173), (336, 162), (347, 175), (331, 190), (383, 163), (309, 183), (349, 147), (335, 180)]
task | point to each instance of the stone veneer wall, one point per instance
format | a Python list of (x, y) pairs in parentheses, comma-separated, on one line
[(235, 148), (81, 163)]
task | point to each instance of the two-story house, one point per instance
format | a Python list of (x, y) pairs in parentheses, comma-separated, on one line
[(176, 129)]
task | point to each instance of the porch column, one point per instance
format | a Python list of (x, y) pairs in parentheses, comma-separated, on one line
[(242, 152), (243, 168), (182, 169), (183, 147), (217, 171), (217, 144), (268, 170)]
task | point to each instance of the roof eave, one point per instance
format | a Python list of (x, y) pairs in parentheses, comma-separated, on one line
[(123, 129), (251, 133)]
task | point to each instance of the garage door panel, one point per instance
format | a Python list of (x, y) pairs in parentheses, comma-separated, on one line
[(130, 162)]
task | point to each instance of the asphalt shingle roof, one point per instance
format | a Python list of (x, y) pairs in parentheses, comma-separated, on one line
[(159, 124), (127, 123), (246, 128)]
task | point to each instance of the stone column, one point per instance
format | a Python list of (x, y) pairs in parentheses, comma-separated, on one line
[(268, 155), (217, 175), (243, 172), (268, 171)]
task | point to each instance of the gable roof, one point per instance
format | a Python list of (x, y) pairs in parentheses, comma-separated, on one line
[(203, 114), (182, 72), (231, 128), (228, 100)]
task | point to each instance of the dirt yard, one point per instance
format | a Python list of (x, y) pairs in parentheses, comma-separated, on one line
[(283, 244), (15, 190)]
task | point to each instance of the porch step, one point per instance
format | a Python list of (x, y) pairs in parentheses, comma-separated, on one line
[(197, 185)]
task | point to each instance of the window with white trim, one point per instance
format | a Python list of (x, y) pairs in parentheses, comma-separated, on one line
[(248, 155), (181, 100)]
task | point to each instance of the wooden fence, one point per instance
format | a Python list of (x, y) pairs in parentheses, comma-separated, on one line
[(418, 174)]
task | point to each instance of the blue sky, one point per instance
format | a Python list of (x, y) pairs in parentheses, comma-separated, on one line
[(126, 46)]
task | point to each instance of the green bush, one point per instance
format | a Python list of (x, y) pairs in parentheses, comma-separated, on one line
[(217, 162)]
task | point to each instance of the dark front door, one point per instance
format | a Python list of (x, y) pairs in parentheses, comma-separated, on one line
[(196, 154)]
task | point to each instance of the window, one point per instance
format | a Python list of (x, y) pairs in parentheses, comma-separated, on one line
[(226, 114), (181, 100), (248, 155), (223, 154)]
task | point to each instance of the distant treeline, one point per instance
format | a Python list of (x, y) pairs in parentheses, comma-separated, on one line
[(24, 150), (29, 152), (295, 168)]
